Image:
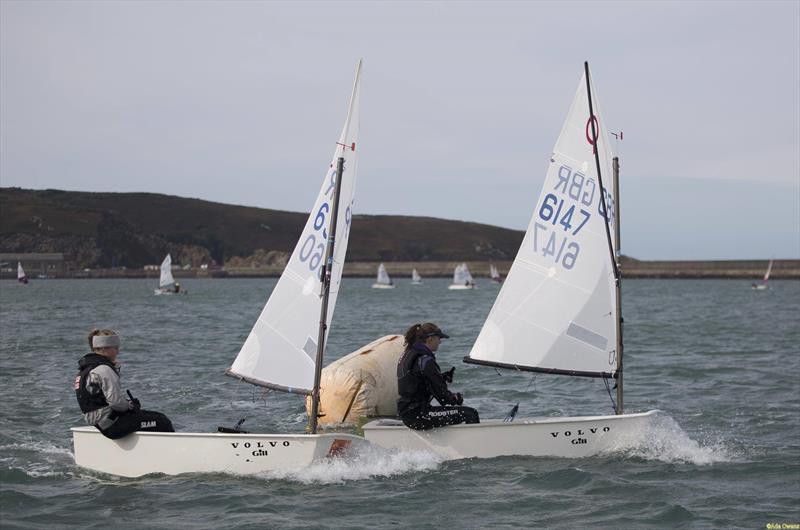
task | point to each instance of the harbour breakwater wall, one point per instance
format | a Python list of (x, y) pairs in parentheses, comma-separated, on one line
[(631, 268)]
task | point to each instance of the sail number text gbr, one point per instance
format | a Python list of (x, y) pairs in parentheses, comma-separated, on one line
[(564, 212), (312, 251)]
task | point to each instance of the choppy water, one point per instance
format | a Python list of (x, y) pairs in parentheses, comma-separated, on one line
[(720, 360)]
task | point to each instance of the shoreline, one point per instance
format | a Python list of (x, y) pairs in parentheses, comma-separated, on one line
[(727, 269)]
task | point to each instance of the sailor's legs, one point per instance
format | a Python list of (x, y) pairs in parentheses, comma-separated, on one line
[(439, 417)]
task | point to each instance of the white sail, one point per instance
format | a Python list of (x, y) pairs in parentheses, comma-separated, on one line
[(769, 269), (556, 311), (415, 277), (166, 278), (280, 351), (461, 275), (494, 274), (383, 276), (21, 276)]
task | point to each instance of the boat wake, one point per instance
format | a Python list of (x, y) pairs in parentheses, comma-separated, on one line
[(664, 440), (49, 462), (366, 462)]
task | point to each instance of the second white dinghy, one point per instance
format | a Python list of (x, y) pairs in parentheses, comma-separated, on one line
[(383, 281), (462, 279), (558, 311), (283, 351)]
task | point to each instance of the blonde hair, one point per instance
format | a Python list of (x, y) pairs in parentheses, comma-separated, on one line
[(102, 332)]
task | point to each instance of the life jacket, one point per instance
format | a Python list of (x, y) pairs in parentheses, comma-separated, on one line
[(411, 384), (90, 397)]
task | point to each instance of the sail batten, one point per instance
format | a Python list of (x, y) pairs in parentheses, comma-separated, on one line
[(277, 352), (556, 310)]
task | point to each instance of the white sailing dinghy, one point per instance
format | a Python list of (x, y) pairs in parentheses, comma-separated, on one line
[(383, 281), (416, 279), (462, 279), (21, 276), (762, 285), (558, 311), (494, 274), (283, 351), (166, 283)]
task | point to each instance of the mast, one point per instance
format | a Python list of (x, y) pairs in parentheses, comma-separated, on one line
[(617, 246), (612, 255), (326, 289)]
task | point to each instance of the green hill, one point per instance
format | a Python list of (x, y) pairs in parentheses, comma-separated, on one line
[(136, 229)]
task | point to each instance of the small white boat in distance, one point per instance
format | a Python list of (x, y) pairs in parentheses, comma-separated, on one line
[(462, 279), (494, 274), (21, 276), (558, 311), (383, 281), (762, 285), (284, 351), (416, 279), (166, 283)]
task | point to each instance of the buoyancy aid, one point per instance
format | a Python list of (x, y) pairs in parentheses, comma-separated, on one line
[(90, 397), (411, 384)]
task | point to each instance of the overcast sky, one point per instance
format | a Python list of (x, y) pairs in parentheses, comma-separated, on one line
[(461, 104)]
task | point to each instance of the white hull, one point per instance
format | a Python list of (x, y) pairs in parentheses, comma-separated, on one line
[(416, 283), (382, 286), (760, 286), (566, 437), (162, 291), (142, 453), (455, 287)]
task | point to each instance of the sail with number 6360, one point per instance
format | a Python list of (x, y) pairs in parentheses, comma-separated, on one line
[(280, 351), (556, 311)]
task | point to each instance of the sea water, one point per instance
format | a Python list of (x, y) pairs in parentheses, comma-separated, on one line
[(719, 359)]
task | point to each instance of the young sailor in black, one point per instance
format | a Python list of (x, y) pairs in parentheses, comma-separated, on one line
[(419, 379), (100, 396)]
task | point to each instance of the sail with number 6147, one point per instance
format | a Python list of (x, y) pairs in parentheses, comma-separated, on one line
[(556, 311)]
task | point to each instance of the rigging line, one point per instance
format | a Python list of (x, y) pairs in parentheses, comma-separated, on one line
[(608, 389), (532, 382)]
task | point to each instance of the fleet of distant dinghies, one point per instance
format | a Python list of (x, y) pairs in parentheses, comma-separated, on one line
[(462, 279)]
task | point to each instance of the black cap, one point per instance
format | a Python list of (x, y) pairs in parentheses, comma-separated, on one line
[(436, 333)]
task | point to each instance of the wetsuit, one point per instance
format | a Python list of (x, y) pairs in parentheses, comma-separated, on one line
[(104, 405), (419, 379)]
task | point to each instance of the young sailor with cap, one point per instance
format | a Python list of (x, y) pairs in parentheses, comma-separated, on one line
[(100, 395), (419, 379)]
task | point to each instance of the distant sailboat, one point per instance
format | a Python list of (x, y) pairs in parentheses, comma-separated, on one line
[(21, 276), (494, 274), (416, 279), (762, 285), (462, 279), (383, 281), (166, 283)]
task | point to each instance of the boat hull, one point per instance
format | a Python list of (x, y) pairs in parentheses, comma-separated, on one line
[(382, 286), (456, 287), (143, 453), (568, 437)]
